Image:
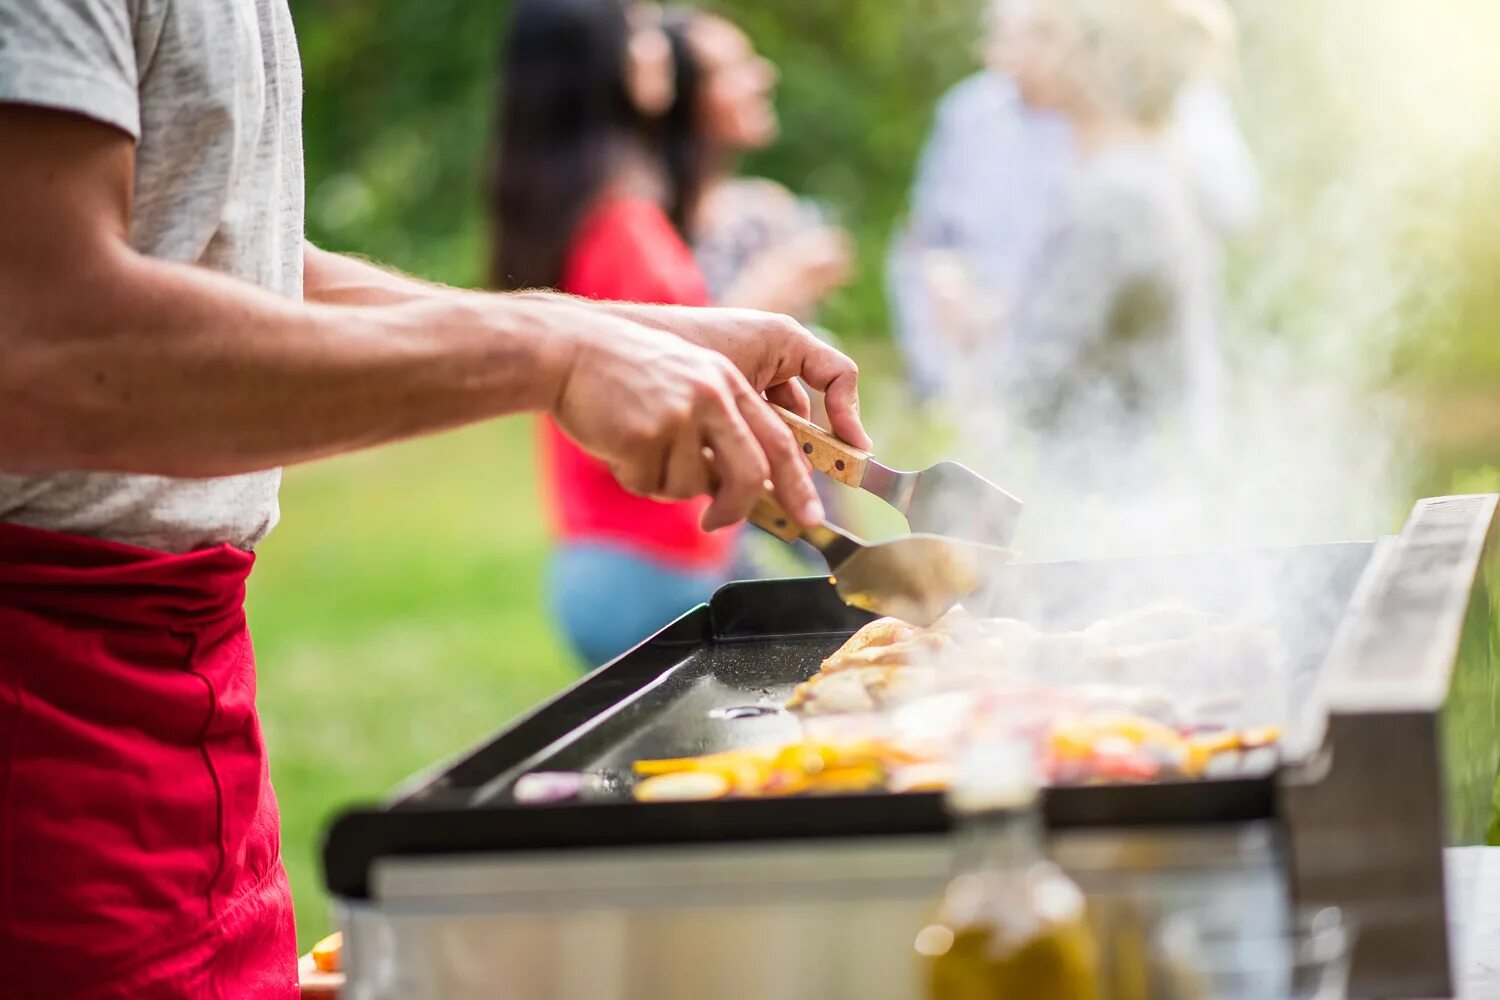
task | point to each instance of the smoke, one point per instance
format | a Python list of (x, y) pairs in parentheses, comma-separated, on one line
[(1366, 117), (1362, 115)]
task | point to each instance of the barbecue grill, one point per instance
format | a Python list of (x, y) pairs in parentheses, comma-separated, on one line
[(454, 889)]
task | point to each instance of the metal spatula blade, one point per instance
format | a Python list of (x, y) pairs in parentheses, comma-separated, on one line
[(917, 578), (948, 499)]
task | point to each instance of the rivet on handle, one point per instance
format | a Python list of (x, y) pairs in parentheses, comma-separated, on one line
[(826, 452)]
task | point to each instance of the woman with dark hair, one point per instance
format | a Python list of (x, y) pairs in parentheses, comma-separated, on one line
[(759, 245), (583, 201)]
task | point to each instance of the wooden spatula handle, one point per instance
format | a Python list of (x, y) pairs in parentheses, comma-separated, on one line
[(835, 544), (768, 516), (831, 456)]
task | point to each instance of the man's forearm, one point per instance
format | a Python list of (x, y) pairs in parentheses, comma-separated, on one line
[(174, 370), (772, 362), (338, 279), (113, 361)]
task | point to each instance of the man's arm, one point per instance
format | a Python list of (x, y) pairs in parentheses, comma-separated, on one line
[(774, 365), (118, 362), (343, 280)]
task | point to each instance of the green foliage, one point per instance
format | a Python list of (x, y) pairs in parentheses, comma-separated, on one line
[(397, 115), (399, 105), (1484, 479)]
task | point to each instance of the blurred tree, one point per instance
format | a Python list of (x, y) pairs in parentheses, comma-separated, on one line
[(397, 111), (1359, 111), (399, 98)]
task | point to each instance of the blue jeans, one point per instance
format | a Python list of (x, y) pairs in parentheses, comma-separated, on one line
[(607, 599)]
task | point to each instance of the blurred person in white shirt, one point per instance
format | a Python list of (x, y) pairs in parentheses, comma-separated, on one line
[(1092, 367), (995, 173)]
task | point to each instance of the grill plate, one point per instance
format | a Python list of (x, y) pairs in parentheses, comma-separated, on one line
[(751, 645)]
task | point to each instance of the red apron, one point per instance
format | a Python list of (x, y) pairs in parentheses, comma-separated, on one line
[(139, 838)]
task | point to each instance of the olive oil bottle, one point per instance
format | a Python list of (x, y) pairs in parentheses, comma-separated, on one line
[(1011, 924)]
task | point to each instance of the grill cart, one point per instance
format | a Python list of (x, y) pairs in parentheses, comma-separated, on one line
[(453, 889)]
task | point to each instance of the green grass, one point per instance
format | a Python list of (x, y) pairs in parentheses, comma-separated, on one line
[(398, 619)]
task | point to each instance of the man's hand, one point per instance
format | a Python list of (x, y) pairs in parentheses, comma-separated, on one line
[(772, 351), (676, 421), (610, 352), (119, 362)]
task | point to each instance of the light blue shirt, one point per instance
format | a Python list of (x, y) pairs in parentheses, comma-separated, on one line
[(985, 188), (989, 186)]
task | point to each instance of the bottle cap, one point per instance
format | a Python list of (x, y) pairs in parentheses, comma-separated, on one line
[(995, 775)]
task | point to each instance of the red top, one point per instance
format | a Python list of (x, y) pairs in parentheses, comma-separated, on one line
[(627, 250)]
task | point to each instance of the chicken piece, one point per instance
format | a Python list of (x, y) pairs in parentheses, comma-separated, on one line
[(328, 954), (837, 692), (684, 786), (880, 632), (1070, 657), (1006, 630), (890, 640), (1231, 655), (956, 622), (1153, 623), (907, 684), (985, 643), (923, 647), (865, 689), (889, 662), (957, 639)]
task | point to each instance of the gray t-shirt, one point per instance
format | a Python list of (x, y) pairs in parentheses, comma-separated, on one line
[(1118, 322), (212, 92)]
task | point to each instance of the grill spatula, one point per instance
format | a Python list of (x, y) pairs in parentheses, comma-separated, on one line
[(916, 578), (947, 499)]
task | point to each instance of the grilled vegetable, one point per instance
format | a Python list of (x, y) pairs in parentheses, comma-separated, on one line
[(683, 786), (328, 954)]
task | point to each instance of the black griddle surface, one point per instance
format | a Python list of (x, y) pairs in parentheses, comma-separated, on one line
[(749, 647), (684, 713)]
